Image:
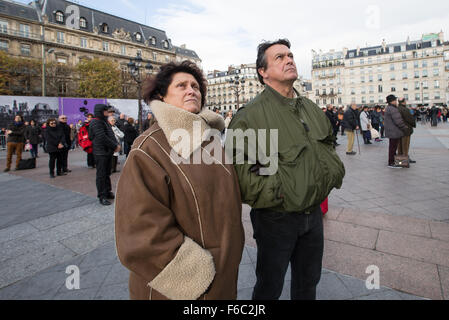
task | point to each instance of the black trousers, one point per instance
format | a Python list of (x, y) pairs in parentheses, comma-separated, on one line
[(90, 160), (55, 157), (392, 148), (114, 163), (284, 238), (103, 165), (65, 158)]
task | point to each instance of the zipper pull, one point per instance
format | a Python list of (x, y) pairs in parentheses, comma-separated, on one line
[(305, 125)]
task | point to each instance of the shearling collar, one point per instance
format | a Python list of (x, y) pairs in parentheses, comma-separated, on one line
[(171, 119)]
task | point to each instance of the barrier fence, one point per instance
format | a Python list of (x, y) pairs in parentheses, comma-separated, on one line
[(2, 142)]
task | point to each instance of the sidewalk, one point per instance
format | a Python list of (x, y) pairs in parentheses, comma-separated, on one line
[(395, 219)]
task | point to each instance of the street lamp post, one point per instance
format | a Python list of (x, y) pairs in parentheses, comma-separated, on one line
[(134, 67), (44, 62), (238, 85)]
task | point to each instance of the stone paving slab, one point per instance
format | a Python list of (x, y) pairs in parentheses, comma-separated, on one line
[(419, 248), (440, 230), (350, 233), (444, 276), (396, 272)]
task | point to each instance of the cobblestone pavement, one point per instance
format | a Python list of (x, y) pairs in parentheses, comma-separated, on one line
[(395, 219)]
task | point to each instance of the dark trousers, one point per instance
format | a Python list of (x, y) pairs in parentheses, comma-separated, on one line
[(392, 148), (34, 150), (284, 238), (65, 158), (382, 131), (90, 160), (103, 165), (55, 157), (114, 164)]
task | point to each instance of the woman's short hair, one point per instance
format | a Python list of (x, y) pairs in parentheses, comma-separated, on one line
[(155, 88), (131, 120)]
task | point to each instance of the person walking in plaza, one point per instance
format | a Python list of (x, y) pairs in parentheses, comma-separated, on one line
[(130, 135), (409, 120), (118, 136), (340, 117), (149, 121), (351, 123), (33, 137), (286, 214), (228, 119), (365, 125), (15, 141), (85, 143), (434, 116), (65, 152), (104, 145), (394, 129), (178, 225), (55, 143), (333, 120), (73, 136), (376, 119)]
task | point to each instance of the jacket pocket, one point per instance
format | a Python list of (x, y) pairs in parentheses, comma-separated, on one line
[(290, 156)]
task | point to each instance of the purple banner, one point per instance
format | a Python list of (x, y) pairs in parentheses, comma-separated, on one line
[(76, 108)]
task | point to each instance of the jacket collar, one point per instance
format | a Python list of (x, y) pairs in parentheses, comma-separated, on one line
[(280, 98), (171, 118)]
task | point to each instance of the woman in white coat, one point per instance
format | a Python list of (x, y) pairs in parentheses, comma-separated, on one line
[(118, 136), (365, 125)]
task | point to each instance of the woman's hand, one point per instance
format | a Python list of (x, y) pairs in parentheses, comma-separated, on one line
[(60, 146)]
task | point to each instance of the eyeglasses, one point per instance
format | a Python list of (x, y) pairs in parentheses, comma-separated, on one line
[(52, 123)]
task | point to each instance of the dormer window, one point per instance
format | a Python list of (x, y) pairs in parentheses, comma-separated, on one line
[(104, 28), (59, 16), (153, 41), (83, 23), (165, 44), (138, 37)]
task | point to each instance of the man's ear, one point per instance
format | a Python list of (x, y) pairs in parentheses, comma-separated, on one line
[(261, 71)]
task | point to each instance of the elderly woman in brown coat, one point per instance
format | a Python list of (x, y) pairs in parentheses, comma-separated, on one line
[(178, 205)]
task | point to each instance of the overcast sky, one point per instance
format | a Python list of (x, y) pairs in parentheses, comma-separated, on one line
[(225, 32)]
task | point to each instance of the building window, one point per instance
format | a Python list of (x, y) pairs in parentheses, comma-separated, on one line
[(123, 50), (363, 99), (166, 44), (406, 96), (425, 96), (138, 37), (351, 62), (416, 64), (417, 85), (425, 85), (393, 76), (83, 42), (417, 97), (405, 87), (104, 28), (60, 37), (424, 73), (437, 95), (435, 63), (154, 56), (25, 49), (424, 64), (436, 84), (25, 30), (363, 91), (61, 60), (352, 91), (153, 41), (371, 89), (4, 45), (83, 23), (362, 61), (362, 79), (59, 17), (391, 67), (404, 65), (404, 75), (105, 46), (436, 72), (416, 74), (62, 88), (393, 89), (379, 77), (380, 88), (3, 26), (380, 99)]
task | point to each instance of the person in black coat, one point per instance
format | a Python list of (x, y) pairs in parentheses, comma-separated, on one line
[(104, 146), (130, 135), (68, 142), (54, 144), (351, 123), (33, 137), (333, 120)]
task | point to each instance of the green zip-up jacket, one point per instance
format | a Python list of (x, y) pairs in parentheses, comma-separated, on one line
[(308, 166)]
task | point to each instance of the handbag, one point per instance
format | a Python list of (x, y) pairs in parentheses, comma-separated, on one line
[(401, 161), (28, 147), (325, 206), (374, 133)]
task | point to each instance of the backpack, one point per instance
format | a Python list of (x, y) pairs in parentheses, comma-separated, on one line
[(25, 164), (83, 139)]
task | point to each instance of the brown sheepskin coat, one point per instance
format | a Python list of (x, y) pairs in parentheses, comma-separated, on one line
[(178, 226)]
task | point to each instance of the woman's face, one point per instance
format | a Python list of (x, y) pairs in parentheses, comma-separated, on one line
[(52, 124), (184, 92), (17, 119)]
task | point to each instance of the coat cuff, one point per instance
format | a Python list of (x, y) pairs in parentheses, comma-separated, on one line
[(188, 275)]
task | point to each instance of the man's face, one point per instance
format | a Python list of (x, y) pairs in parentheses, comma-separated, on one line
[(395, 103), (89, 118), (281, 67), (354, 106), (63, 119)]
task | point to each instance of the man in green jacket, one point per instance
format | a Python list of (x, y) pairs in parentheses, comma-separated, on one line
[(285, 215)]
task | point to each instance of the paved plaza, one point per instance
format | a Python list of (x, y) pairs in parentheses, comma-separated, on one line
[(395, 219)]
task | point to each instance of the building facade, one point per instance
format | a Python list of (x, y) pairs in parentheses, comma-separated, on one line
[(66, 33), (417, 70), (225, 96)]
